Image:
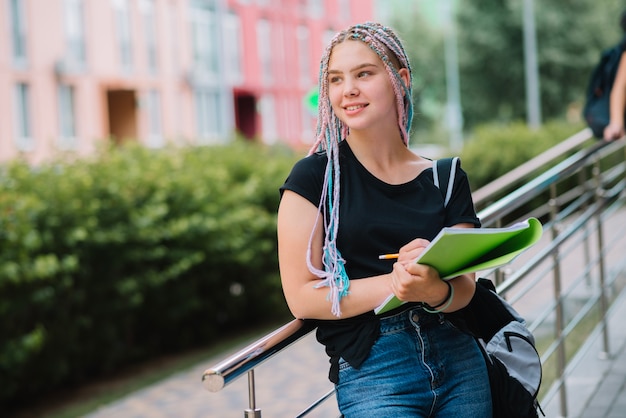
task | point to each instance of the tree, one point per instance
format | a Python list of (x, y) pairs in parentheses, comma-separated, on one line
[(424, 46), (570, 36)]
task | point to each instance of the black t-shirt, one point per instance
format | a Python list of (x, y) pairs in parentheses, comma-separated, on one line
[(375, 218)]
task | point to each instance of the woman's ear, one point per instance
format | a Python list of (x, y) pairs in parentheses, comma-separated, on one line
[(406, 76)]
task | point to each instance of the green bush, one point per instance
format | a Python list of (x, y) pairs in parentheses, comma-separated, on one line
[(133, 254), (495, 149)]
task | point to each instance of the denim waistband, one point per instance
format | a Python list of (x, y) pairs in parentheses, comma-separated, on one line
[(405, 319)]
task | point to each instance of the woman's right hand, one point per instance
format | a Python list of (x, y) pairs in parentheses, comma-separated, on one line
[(409, 252)]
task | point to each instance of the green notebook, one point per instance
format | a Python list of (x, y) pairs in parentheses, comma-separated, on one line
[(457, 251)]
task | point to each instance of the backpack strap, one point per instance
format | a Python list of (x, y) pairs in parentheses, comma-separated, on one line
[(444, 171)]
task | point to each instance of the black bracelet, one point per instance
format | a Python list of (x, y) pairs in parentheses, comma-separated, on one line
[(443, 302)]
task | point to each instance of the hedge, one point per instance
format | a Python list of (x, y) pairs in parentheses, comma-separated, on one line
[(132, 254), (495, 149)]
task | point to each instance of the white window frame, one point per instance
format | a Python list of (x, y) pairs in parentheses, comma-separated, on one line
[(24, 140), (121, 17), (19, 32), (204, 37), (344, 10), (268, 119), (315, 8), (307, 128), (208, 115), (150, 31), (232, 49), (74, 26), (67, 116), (264, 50), (155, 137), (303, 36)]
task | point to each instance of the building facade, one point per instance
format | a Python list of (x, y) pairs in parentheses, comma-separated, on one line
[(78, 72)]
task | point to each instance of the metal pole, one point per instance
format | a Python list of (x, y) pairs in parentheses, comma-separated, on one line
[(582, 181), (453, 108), (252, 411), (533, 99), (605, 353), (559, 321)]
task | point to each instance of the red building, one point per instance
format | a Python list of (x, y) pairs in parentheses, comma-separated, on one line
[(75, 72)]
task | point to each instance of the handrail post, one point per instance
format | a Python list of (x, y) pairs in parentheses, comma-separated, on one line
[(252, 411), (584, 185), (605, 353), (559, 320)]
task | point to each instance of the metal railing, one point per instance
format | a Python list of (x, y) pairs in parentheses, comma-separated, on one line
[(576, 189)]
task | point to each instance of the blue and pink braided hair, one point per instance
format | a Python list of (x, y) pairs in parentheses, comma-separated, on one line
[(331, 131)]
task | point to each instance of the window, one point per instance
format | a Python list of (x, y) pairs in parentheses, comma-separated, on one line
[(67, 117), (327, 37), (172, 17), (124, 38), (205, 37), (315, 8), (208, 115), (264, 47), (75, 55), (153, 113), (23, 134), (268, 119), (344, 9), (232, 48), (304, 62), (18, 32), (278, 46), (307, 125), (150, 31)]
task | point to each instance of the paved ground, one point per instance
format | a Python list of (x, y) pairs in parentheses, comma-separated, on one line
[(285, 386), (595, 387)]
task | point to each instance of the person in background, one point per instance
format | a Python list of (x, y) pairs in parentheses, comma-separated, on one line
[(617, 102), (362, 192)]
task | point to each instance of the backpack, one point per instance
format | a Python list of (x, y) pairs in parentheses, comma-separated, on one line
[(597, 100), (513, 363)]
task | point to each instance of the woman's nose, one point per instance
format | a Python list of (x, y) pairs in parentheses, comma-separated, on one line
[(350, 90)]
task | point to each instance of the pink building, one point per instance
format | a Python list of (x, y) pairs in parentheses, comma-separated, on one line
[(75, 72)]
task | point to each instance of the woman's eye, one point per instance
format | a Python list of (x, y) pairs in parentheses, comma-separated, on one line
[(334, 79), (363, 74)]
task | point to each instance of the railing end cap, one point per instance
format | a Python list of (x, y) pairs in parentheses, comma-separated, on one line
[(212, 381)]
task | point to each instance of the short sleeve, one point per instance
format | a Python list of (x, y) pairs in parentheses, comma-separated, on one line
[(306, 178)]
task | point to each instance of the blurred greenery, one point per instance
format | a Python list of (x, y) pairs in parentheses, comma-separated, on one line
[(132, 254), (490, 41), (495, 149)]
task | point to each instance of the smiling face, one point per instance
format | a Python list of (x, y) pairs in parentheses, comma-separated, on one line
[(360, 89)]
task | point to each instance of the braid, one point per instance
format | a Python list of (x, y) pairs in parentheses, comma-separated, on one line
[(331, 131)]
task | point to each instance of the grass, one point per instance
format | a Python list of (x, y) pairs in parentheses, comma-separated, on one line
[(71, 403)]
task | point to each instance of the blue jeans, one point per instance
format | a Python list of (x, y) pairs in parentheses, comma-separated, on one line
[(421, 366)]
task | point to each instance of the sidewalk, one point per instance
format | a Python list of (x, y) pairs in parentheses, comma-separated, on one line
[(596, 387), (284, 387)]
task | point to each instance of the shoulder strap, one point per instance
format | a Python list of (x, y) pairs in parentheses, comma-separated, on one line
[(444, 171)]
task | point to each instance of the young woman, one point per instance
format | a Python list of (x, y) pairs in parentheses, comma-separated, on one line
[(360, 193)]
